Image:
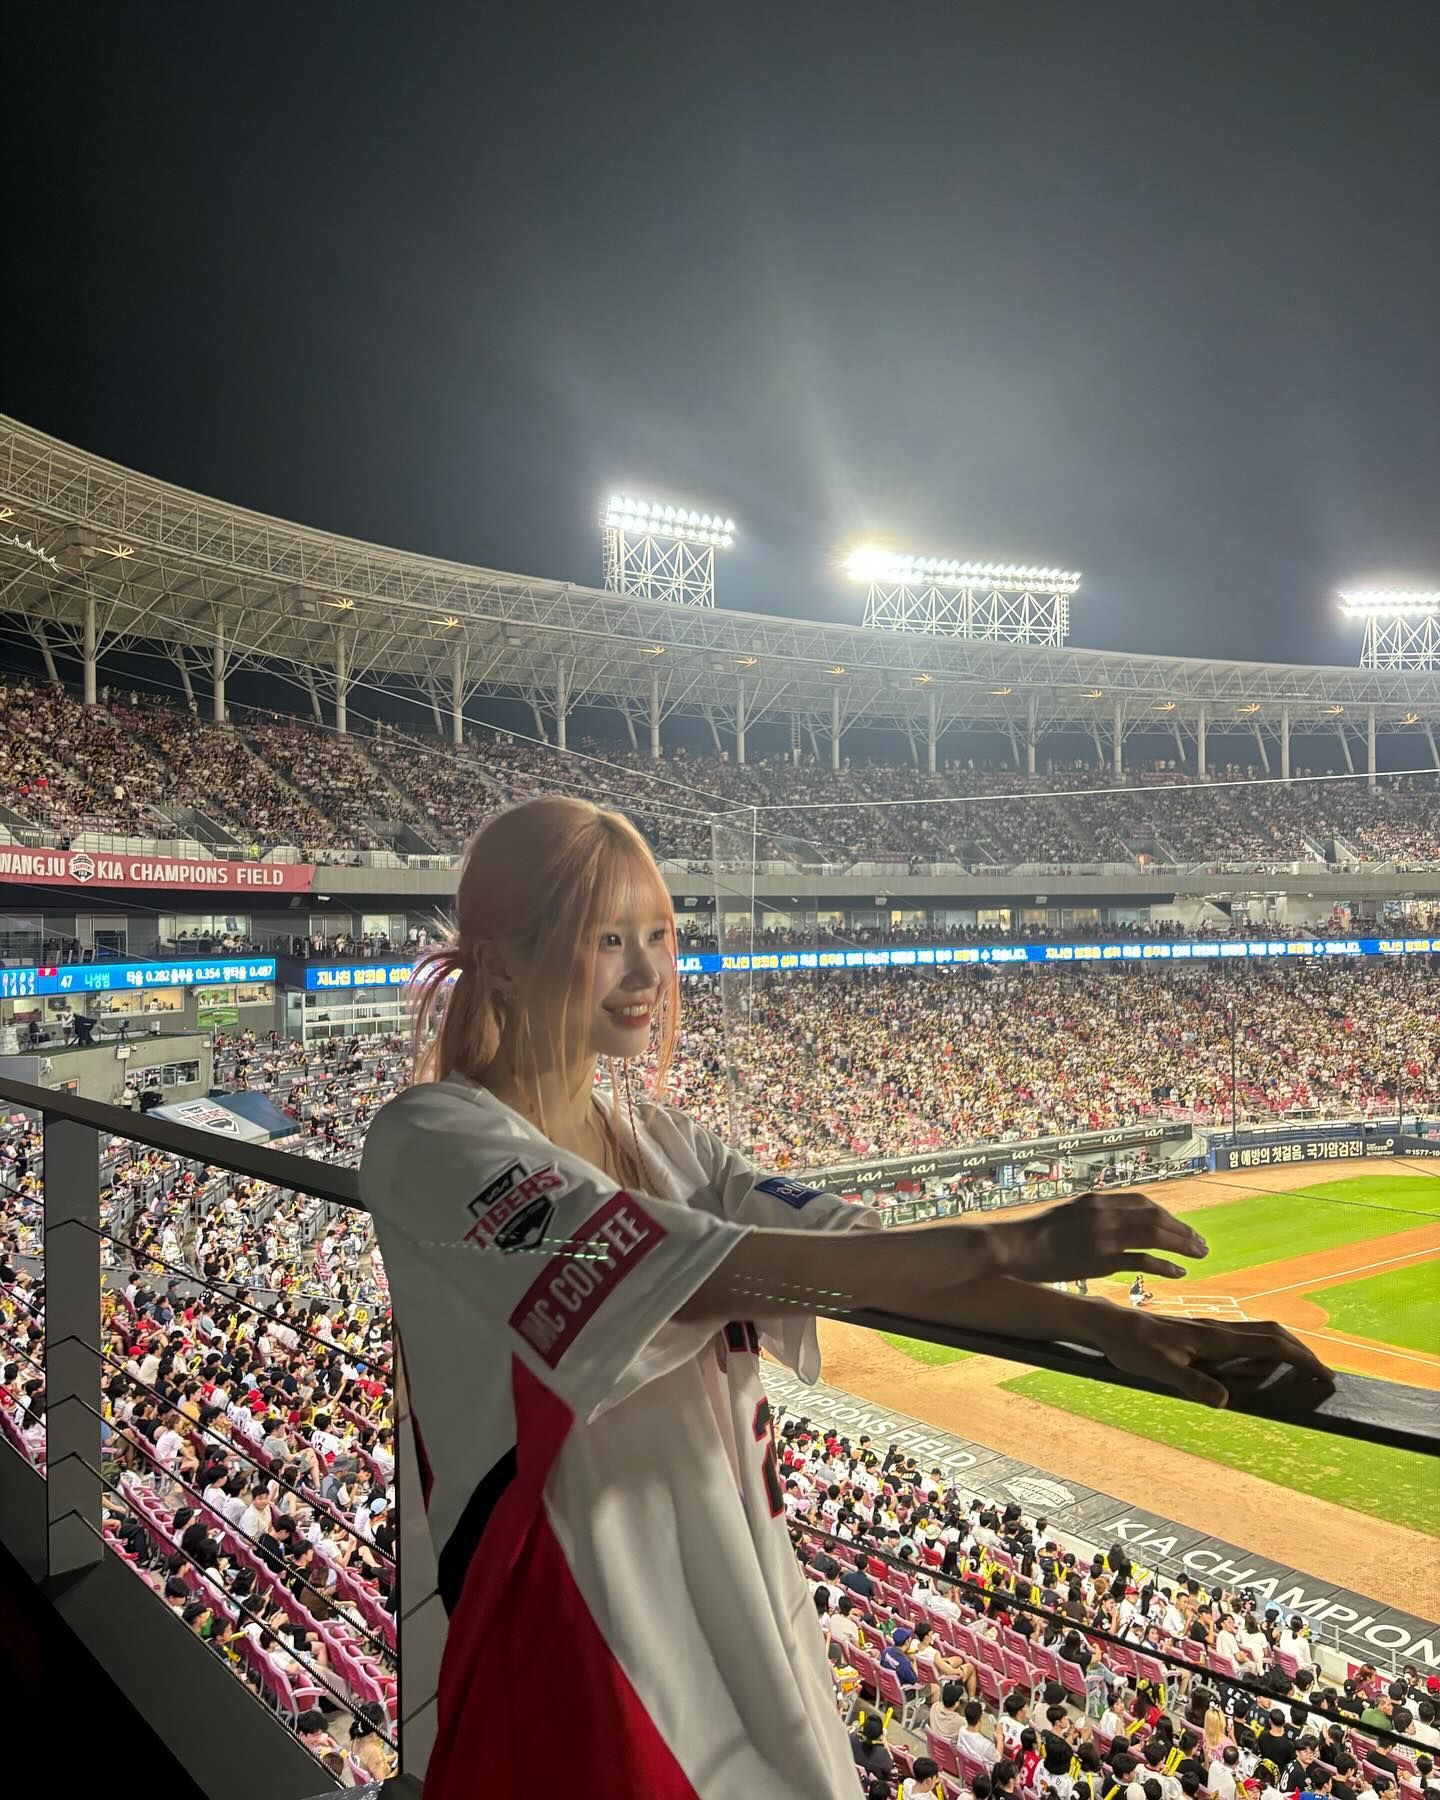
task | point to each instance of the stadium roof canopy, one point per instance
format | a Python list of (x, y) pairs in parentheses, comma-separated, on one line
[(153, 567)]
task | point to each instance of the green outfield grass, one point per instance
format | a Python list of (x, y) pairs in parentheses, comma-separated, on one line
[(1386, 1484), (1397, 1306), (1273, 1227), (936, 1355)]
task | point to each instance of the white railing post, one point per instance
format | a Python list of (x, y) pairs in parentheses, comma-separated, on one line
[(72, 1345), (420, 1616)]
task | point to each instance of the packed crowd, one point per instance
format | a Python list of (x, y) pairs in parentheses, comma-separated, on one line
[(133, 764), (333, 774), (892, 1063), (71, 770), (822, 937), (965, 1643), (215, 768)]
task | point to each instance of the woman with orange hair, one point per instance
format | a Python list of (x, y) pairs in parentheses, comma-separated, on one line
[(582, 1282)]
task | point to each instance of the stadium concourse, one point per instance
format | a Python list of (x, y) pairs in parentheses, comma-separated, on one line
[(141, 767)]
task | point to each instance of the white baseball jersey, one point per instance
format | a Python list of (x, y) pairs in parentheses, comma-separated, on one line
[(626, 1613)]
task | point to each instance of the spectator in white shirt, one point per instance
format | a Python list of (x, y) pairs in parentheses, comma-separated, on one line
[(1220, 1782), (323, 1440), (1251, 1640), (975, 1742), (942, 1601), (1424, 1729), (1113, 1722), (1292, 1643), (844, 1626), (255, 1520)]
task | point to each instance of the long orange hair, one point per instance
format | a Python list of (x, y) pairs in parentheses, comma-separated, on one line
[(539, 879)]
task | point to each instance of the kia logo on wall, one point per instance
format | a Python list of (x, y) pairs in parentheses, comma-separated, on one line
[(82, 868), (1039, 1493)]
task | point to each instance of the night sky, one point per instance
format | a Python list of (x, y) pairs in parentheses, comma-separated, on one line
[(1144, 290)]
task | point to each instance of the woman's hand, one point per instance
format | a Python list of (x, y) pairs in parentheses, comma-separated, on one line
[(1087, 1237), (1195, 1355)]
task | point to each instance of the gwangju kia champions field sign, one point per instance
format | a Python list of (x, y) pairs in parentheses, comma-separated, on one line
[(78, 868)]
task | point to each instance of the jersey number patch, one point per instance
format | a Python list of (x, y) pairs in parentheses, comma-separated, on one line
[(769, 1468)]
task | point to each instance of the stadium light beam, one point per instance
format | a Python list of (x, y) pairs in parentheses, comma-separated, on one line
[(1015, 603), (654, 550)]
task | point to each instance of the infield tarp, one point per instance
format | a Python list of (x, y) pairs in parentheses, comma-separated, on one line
[(1364, 1630)]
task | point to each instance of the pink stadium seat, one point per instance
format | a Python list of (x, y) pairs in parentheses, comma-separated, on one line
[(892, 1694), (970, 1768), (866, 1667), (1072, 1679), (1046, 1662), (944, 1753), (1018, 1671)]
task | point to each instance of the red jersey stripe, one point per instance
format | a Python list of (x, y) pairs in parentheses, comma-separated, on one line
[(530, 1692)]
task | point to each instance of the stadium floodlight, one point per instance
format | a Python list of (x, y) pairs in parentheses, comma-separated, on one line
[(657, 551), (1014, 603), (1402, 626), (1362, 601), (655, 519)]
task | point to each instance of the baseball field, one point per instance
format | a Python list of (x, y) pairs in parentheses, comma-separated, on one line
[(1348, 1259)]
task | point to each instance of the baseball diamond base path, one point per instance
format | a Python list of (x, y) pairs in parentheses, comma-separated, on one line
[(1386, 1562), (1277, 1290)]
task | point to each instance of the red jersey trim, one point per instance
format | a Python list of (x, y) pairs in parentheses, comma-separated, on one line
[(523, 1643)]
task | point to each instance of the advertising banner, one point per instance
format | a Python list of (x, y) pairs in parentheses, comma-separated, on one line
[(1332, 1147), (105, 978), (847, 1177), (336, 977), (107, 869), (1144, 950)]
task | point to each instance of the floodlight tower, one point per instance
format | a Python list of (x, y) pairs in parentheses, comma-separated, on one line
[(1402, 628), (1005, 603), (660, 552)]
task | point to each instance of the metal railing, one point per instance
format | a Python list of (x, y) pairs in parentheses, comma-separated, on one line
[(53, 1522), (54, 1525)]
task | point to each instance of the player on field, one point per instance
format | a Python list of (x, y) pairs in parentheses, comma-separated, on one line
[(582, 1283)]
